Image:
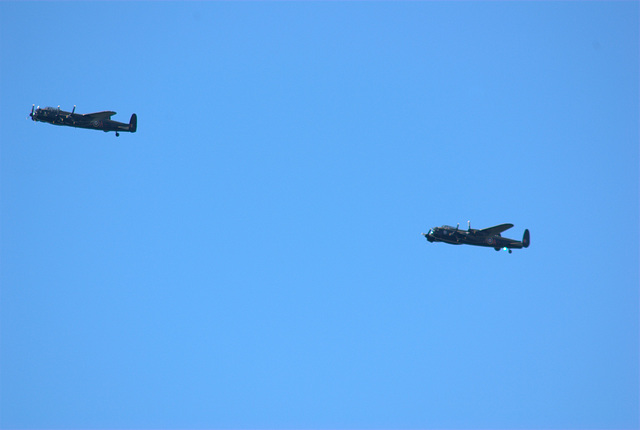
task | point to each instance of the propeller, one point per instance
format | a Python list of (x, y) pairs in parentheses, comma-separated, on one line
[(33, 107), (70, 113)]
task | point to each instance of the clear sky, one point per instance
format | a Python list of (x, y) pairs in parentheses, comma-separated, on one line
[(251, 258)]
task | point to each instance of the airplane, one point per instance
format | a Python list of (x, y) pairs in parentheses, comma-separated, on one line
[(489, 237), (95, 121)]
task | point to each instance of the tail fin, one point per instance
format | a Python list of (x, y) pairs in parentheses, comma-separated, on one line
[(526, 239), (133, 123)]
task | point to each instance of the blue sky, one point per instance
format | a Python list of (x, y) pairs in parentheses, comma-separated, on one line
[(251, 258)]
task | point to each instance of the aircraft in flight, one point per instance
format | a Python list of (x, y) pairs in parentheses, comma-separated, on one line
[(489, 237), (95, 121)]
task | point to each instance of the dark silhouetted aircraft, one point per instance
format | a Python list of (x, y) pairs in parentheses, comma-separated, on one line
[(489, 237), (95, 121)]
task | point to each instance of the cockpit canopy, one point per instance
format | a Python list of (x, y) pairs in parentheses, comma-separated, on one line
[(47, 111), (445, 230), (48, 114)]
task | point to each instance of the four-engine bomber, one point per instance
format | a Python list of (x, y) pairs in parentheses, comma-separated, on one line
[(489, 237), (94, 121)]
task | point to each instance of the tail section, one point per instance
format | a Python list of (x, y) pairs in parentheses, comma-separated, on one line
[(133, 123), (526, 239)]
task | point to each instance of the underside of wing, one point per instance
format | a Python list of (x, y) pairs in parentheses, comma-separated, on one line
[(490, 231), (99, 115)]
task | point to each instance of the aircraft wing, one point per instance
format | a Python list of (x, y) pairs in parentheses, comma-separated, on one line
[(99, 115), (490, 231)]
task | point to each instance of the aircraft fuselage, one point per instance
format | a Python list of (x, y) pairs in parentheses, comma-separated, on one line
[(455, 236), (98, 121)]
